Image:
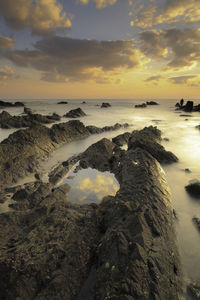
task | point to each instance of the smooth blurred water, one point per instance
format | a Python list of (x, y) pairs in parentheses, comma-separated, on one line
[(184, 141)]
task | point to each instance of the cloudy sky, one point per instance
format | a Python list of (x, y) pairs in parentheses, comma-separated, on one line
[(100, 49)]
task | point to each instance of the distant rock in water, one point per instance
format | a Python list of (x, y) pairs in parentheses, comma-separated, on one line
[(94, 129), (193, 188), (198, 127), (10, 104), (83, 102), (75, 113), (62, 102), (189, 107), (151, 103), (143, 105), (105, 105)]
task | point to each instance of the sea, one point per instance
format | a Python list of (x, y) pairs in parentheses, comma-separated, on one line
[(182, 138)]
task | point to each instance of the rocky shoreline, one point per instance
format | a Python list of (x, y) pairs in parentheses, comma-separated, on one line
[(123, 248)]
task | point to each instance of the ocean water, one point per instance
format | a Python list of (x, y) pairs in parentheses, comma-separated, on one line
[(184, 142)]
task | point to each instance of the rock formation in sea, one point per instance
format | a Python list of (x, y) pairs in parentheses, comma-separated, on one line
[(123, 248), (75, 113)]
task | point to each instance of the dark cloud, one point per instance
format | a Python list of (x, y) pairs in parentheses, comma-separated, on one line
[(41, 16), (67, 59), (180, 48), (153, 78)]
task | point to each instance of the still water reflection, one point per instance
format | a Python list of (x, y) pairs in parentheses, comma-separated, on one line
[(90, 185)]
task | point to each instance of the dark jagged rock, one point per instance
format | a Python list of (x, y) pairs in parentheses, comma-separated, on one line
[(187, 170), (8, 121), (105, 105), (181, 102), (193, 291), (193, 188), (122, 139), (148, 139), (189, 107), (127, 242), (10, 104), (143, 105), (151, 103), (75, 113), (62, 102), (93, 129)]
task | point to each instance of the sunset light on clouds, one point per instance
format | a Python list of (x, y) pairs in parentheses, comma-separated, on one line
[(99, 48)]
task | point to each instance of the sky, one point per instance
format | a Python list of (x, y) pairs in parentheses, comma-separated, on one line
[(127, 49)]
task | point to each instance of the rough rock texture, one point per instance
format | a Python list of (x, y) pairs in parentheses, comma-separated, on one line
[(10, 104), (105, 105), (193, 291), (21, 151), (8, 121), (122, 139), (188, 107), (193, 188), (196, 221), (94, 129), (75, 113), (148, 139), (124, 248)]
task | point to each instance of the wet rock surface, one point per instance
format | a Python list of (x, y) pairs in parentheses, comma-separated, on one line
[(8, 121), (49, 247), (143, 105), (75, 113)]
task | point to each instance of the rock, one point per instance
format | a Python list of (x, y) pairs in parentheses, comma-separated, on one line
[(189, 106), (187, 170), (62, 102), (75, 113), (185, 115), (8, 121), (196, 221), (121, 139), (151, 103), (177, 105), (127, 242), (198, 127), (97, 130), (143, 105), (83, 102), (148, 139), (181, 102), (28, 111), (193, 291), (166, 139), (105, 105), (193, 188), (10, 104)]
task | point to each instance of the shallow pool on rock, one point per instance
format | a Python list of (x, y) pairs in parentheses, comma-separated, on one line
[(90, 185)]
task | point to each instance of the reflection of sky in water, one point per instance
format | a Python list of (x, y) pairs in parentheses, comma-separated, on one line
[(90, 185)]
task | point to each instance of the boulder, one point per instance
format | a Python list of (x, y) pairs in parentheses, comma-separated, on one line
[(105, 105), (193, 188), (121, 139), (75, 113)]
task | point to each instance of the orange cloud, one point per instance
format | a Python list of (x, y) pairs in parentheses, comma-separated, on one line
[(99, 3)]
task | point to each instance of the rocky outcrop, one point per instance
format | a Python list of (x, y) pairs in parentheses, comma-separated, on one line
[(10, 104), (122, 139), (75, 113), (105, 105), (193, 291), (8, 121), (124, 248), (193, 188), (188, 107), (148, 139), (196, 221)]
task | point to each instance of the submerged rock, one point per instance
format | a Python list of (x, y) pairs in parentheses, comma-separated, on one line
[(75, 113), (193, 188), (62, 102)]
